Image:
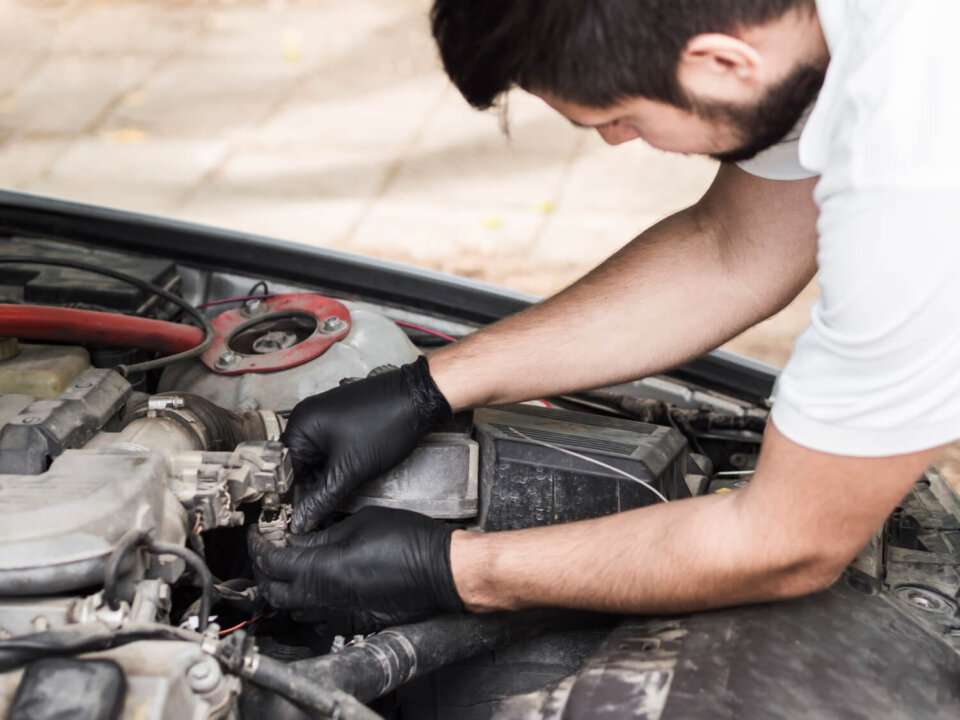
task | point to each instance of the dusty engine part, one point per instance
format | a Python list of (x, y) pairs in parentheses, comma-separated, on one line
[(164, 680), (212, 486), (180, 421), (533, 470), (42, 371), (60, 526), (44, 429), (22, 616), (439, 479), (275, 333), (369, 340)]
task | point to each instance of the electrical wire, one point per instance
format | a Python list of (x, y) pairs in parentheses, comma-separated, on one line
[(147, 287), (239, 626), (139, 538), (426, 330), (231, 300), (593, 461)]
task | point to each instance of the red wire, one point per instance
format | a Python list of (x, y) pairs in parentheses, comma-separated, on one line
[(239, 626), (425, 330)]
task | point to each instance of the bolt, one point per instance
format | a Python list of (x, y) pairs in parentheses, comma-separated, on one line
[(333, 324), (228, 359), (204, 675), (30, 420), (83, 385), (255, 306)]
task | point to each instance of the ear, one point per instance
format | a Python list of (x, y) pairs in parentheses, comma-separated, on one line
[(719, 67)]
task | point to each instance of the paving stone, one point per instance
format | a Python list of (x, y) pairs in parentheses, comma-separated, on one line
[(207, 98), (67, 94), (24, 161), (129, 28), (146, 175), (321, 222), (388, 120)]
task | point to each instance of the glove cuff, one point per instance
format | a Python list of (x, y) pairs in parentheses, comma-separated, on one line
[(445, 590), (431, 406)]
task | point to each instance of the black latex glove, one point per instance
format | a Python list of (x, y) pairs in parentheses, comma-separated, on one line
[(342, 438), (381, 567)]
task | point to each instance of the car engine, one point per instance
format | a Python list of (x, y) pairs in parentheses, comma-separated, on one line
[(128, 483)]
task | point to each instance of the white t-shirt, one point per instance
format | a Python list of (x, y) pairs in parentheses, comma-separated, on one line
[(877, 373)]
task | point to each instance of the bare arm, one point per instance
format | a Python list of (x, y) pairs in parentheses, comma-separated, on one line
[(791, 532), (682, 288)]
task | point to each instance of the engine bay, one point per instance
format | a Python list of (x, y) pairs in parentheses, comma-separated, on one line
[(142, 403)]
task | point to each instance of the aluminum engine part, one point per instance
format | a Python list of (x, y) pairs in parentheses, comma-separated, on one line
[(44, 429), (211, 486), (22, 616), (164, 680), (439, 479), (60, 527), (373, 341)]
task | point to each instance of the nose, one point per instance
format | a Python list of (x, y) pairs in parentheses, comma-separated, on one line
[(618, 132)]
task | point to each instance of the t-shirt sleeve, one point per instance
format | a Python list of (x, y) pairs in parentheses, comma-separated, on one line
[(877, 373)]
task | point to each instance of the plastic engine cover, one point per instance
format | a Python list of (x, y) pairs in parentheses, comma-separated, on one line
[(59, 527)]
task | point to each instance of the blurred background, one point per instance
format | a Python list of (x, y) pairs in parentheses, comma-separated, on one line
[(327, 122)]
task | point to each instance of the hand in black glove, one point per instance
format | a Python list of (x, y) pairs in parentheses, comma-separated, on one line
[(342, 438), (386, 566)]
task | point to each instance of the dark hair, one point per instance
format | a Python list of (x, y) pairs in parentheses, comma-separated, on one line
[(592, 52)]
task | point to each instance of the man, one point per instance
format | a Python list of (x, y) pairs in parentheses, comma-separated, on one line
[(869, 193)]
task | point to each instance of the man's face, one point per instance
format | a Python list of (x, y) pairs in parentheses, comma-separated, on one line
[(726, 131)]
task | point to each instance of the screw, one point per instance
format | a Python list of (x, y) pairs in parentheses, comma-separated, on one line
[(333, 324), (30, 420), (228, 359)]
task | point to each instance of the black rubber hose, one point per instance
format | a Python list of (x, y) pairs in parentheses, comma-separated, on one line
[(381, 663), (320, 698), (136, 538), (111, 573), (196, 563), (147, 287)]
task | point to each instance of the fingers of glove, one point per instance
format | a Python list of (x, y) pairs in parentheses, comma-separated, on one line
[(277, 563), (312, 540), (281, 595), (331, 487)]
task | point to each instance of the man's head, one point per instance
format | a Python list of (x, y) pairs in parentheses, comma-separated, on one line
[(727, 78)]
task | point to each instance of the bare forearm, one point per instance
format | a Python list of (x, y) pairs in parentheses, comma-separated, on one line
[(681, 557), (682, 288), (804, 516)]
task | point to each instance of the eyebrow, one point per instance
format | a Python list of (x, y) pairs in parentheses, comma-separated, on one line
[(581, 125)]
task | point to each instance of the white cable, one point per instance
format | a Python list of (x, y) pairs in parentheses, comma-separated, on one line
[(585, 458)]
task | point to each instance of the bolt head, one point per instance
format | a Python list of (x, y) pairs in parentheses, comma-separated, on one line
[(228, 359), (254, 306), (333, 324)]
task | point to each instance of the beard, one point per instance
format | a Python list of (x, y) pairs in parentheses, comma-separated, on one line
[(771, 120)]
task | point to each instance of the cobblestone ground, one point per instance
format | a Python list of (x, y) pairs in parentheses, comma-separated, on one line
[(326, 122)]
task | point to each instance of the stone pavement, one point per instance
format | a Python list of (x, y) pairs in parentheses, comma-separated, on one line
[(327, 122)]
